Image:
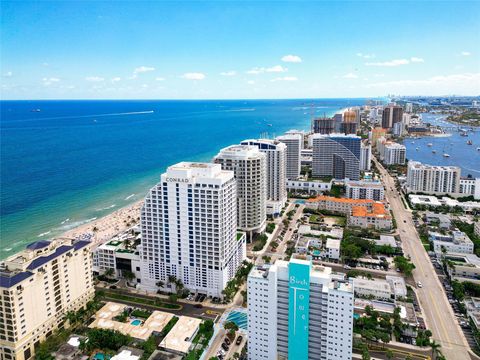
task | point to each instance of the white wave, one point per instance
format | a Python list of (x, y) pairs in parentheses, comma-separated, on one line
[(7, 249), (64, 221), (93, 115), (74, 224), (43, 234), (129, 196), (235, 110), (107, 208)]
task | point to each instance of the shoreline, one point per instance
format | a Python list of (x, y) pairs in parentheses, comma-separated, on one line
[(109, 225)]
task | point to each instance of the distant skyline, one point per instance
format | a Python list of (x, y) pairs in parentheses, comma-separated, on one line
[(232, 50)]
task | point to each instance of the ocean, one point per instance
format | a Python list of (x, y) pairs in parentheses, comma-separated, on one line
[(461, 154), (75, 161)]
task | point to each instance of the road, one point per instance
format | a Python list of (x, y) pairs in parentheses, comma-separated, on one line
[(438, 313)]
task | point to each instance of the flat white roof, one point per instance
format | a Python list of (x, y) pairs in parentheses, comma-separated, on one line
[(180, 337)]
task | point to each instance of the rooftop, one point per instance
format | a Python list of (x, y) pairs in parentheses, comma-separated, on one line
[(179, 339), (377, 210), (104, 320)]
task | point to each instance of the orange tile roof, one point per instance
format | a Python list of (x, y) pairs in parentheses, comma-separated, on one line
[(378, 210)]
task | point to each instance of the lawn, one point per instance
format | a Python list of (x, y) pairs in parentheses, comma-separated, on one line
[(141, 301)]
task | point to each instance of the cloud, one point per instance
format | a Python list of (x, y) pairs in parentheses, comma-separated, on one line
[(94, 78), (292, 59), (160, 79), (229, 73), (260, 70), (250, 82), (350, 76), (50, 81), (276, 68), (255, 71), (396, 62), (193, 76), (8, 74), (465, 53), (366, 56), (116, 79), (143, 69), (416, 60), (285, 78)]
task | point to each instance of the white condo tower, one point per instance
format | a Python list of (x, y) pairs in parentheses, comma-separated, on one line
[(189, 229), (249, 167)]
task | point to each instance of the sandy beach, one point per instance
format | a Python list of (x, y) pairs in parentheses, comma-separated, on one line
[(105, 228)]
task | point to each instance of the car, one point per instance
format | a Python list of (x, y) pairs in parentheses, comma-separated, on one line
[(227, 341), (239, 340), (346, 267), (225, 347), (198, 306), (419, 284)]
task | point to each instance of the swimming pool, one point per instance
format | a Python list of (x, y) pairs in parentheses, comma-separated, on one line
[(239, 318), (356, 316), (136, 322), (301, 202)]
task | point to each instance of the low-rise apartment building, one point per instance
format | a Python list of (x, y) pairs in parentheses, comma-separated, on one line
[(375, 216), (464, 267), (454, 242), (372, 190)]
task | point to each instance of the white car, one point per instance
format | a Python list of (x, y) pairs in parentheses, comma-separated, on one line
[(419, 284)]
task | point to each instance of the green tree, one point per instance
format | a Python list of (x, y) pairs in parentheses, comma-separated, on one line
[(389, 354), (109, 273), (435, 349), (128, 275)]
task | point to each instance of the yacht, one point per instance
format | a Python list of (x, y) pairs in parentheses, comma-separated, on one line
[(469, 142), (434, 151), (429, 144), (446, 155)]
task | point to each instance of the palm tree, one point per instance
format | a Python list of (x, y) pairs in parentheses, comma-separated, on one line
[(128, 275), (160, 284), (435, 349), (109, 272), (72, 317)]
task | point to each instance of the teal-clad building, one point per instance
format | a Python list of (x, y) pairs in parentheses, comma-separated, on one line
[(299, 311)]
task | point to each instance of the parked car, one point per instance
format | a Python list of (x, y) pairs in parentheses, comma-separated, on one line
[(419, 284), (239, 340), (227, 341)]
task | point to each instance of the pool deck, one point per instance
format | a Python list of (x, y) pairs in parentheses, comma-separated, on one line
[(104, 320)]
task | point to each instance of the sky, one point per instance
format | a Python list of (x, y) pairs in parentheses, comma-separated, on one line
[(238, 50)]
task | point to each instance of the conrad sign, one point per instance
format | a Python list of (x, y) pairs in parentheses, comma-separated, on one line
[(176, 180)]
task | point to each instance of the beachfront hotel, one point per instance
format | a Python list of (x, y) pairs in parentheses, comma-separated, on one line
[(336, 155), (189, 229), (299, 311), (276, 172), (249, 167), (294, 146), (38, 286)]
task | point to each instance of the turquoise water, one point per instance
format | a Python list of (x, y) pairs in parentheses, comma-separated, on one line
[(356, 316), (136, 322), (239, 318), (75, 161), (99, 356)]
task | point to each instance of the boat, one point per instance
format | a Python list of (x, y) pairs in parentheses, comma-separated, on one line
[(446, 155), (469, 142), (417, 148), (429, 144), (35, 110), (478, 149), (463, 133), (434, 151), (413, 142)]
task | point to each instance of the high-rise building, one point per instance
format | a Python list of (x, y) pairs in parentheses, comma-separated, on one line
[(189, 229), (432, 179), (365, 157), (38, 286), (409, 108), (298, 132), (294, 146), (391, 115), (377, 133), (336, 155), (299, 311), (248, 164), (398, 128), (394, 154), (276, 172), (324, 125)]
